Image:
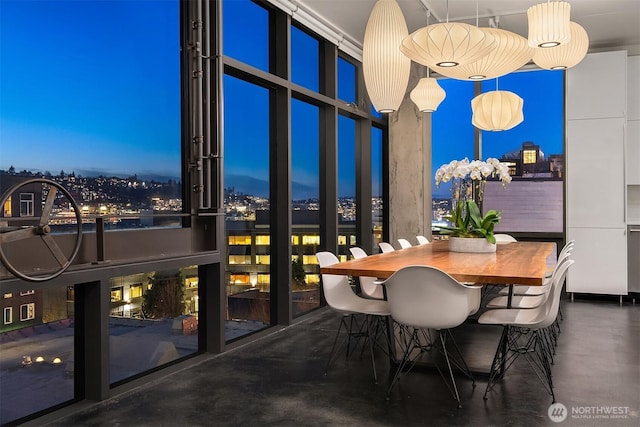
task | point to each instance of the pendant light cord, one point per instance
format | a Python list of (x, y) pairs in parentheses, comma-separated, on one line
[(447, 11)]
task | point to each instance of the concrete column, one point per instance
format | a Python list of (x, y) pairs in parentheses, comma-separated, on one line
[(410, 173)]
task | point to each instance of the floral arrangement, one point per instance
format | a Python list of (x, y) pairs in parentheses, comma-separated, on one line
[(469, 222), (476, 170), (469, 178)]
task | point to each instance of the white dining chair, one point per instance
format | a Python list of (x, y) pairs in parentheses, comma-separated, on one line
[(386, 247), (341, 298), (504, 238), (422, 240), (525, 334), (528, 301), (526, 290), (423, 297), (368, 285), (404, 243)]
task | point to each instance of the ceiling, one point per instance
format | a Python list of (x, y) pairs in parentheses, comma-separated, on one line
[(610, 24)]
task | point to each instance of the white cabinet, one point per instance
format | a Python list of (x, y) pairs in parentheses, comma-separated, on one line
[(633, 121), (596, 87), (595, 173), (633, 152), (633, 88), (595, 176), (600, 256)]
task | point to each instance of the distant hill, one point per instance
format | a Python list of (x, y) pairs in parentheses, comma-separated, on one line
[(260, 187)]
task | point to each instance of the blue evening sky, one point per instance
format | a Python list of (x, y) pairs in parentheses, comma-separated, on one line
[(93, 87), (543, 109), (90, 86)]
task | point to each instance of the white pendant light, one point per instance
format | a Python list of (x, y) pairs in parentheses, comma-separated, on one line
[(497, 110), (549, 24), (566, 55), (427, 95), (511, 52), (385, 68), (447, 44)]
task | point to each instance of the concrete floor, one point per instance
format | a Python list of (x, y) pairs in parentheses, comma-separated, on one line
[(278, 381)]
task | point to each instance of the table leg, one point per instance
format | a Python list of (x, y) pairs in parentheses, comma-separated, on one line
[(504, 349)]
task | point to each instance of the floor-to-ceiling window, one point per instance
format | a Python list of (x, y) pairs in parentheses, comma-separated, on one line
[(91, 100), (452, 139), (305, 205), (305, 174), (534, 200), (327, 109), (246, 161), (534, 150), (347, 207)]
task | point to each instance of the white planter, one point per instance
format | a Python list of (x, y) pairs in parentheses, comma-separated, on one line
[(474, 245)]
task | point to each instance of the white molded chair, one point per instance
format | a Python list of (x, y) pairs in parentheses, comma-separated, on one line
[(341, 298), (525, 334), (531, 300), (504, 238), (386, 247), (368, 285), (422, 240), (423, 297), (525, 290), (404, 243)]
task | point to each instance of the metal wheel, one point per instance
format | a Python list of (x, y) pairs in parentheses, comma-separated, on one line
[(54, 198)]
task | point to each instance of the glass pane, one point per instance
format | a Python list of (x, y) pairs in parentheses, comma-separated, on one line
[(534, 149), (305, 189), (36, 363), (377, 208), (452, 139), (346, 183), (153, 320), (346, 81), (245, 34), (246, 201), (99, 100), (305, 59)]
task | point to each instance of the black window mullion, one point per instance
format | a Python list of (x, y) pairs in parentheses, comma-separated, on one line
[(364, 217)]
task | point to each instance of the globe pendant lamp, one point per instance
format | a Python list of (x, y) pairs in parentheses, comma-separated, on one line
[(448, 44), (566, 55), (511, 52), (427, 95), (497, 110), (549, 24), (385, 68)]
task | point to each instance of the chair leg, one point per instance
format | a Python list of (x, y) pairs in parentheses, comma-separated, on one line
[(371, 339), (460, 363), (453, 381), (497, 363), (522, 342), (410, 346), (335, 341)]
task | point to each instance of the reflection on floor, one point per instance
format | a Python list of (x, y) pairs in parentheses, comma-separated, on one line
[(278, 380)]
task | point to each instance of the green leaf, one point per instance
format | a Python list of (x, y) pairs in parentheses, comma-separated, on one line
[(468, 221)]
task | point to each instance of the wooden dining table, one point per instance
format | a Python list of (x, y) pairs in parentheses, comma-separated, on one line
[(522, 263)]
